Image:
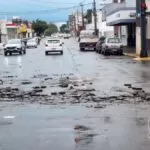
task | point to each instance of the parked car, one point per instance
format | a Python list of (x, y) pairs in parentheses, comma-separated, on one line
[(112, 46), (15, 46), (87, 40), (53, 46), (99, 44), (67, 36), (31, 43)]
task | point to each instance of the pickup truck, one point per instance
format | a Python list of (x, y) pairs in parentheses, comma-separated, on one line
[(87, 40)]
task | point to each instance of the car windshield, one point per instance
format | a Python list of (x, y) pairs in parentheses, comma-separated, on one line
[(53, 41), (16, 41), (31, 41), (87, 35), (113, 40)]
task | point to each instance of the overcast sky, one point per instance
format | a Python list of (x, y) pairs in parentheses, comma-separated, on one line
[(33, 9)]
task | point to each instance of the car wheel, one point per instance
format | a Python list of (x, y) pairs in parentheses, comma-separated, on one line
[(96, 50), (10, 53), (81, 49), (24, 51), (20, 52), (102, 51), (5, 53), (121, 53), (99, 51), (46, 53), (105, 53), (61, 52)]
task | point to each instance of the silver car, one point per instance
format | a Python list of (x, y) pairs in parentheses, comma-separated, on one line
[(112, 46), (14, 46)]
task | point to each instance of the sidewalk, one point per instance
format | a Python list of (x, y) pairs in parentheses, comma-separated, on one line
[(131, 52)]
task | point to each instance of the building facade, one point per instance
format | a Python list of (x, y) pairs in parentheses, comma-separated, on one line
[(11, 30), (121, 14), (138, 29), (103, 28)]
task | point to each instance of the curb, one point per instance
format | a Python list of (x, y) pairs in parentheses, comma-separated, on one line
[(130, 55), (142, 59), (136, 57)]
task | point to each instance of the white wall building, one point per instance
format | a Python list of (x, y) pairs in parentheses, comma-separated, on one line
[(104, 29), (122, 15)]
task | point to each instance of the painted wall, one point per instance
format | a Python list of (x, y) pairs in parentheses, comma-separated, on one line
[(120, 15), (104, 30)]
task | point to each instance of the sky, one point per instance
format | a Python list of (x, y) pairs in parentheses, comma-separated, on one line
[(48, 10)]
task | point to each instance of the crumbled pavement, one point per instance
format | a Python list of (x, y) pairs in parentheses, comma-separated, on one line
[(70, 91)]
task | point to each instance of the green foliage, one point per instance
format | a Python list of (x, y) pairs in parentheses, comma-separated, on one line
[(52, 28), (39, 26), (64, 28), (88, 15), (102, 38)]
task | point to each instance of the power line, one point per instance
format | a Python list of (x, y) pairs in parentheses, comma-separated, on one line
[(42, 11), (54, 2)]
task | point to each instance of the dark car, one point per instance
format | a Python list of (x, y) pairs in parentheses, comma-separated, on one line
[(99, 44)]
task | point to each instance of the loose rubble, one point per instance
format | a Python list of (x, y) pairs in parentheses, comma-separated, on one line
[(55, 90)]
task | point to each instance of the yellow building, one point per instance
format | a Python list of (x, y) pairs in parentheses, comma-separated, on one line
[(22, 30)]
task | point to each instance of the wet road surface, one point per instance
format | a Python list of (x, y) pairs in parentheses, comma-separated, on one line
[(37, 127), (49, 95)]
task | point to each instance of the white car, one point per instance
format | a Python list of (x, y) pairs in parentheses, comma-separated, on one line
[(31, 43), (15, 46), (53, 46), (112, 46)]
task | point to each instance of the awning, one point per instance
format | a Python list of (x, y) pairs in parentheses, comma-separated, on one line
[(122, 22)]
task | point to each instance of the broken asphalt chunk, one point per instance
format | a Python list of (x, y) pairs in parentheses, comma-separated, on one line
[(81, 127)]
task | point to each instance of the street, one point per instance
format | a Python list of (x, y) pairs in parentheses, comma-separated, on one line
[(43, 98)]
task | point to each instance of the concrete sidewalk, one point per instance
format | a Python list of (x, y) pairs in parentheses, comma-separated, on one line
[(131, 52)]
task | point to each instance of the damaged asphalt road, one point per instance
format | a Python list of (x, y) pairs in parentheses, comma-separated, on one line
[(80, 100), (70, 90)]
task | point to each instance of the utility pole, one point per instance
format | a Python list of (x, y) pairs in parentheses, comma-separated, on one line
[(75, 30), (143, 9), (0, 35), (77, 16), (77, 23), (95, 17), (82, 15)]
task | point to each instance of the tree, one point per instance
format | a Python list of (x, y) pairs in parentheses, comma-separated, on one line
[(88, 15), (64, 28), (52, 28), (39, 26)]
